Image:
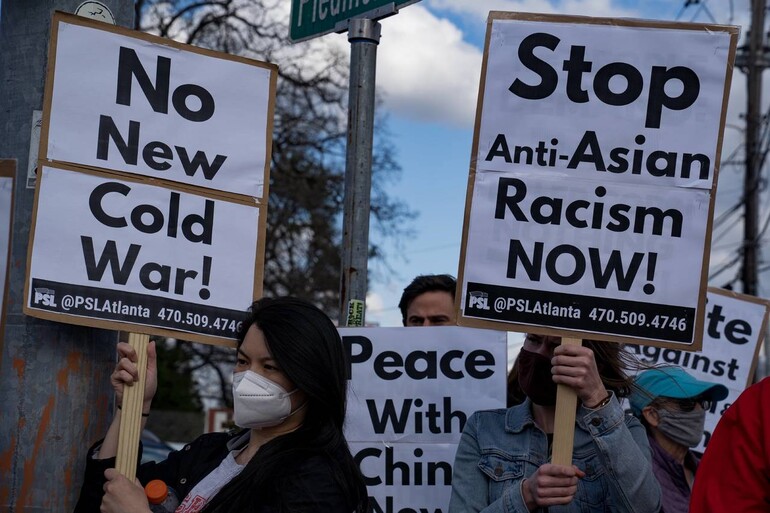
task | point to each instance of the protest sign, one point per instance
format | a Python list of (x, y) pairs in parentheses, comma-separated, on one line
[(734, 330), (120, 253), (127, 101), (411, 392), (593, 176), (7, 175)]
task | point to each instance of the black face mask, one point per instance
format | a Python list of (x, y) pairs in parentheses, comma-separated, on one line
[(535, 378)]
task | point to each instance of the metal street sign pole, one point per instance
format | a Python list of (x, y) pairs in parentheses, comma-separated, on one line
[(313, 18), (364, 36)]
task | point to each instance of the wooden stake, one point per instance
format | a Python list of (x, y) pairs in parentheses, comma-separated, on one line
[(564, 422), (131, 411)]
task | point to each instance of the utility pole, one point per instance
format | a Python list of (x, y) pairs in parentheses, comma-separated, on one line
[(55, 397), (755, 64), (752, 60)]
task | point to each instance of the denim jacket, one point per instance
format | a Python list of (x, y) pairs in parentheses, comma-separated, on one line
[(500, 448)]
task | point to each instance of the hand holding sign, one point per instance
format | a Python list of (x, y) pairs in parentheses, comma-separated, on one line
[(120, 493), (575, 366), (135, 382), (551, 485), (126, 373)]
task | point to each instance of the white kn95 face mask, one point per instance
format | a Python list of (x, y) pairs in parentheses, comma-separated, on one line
[(259, 402)]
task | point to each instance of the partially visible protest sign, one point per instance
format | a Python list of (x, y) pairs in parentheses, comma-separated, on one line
[(119, 252), (734, 330), (127, 101), (7, 175), (593, 177), (411, 392)]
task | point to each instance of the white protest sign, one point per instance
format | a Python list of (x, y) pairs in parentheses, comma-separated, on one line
[(733, 334), (593, 177), (7, 174), (114, 250), (403, 477), (127, 101), (411, 392)]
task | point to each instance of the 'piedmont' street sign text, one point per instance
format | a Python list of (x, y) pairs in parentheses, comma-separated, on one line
[(312, 18)]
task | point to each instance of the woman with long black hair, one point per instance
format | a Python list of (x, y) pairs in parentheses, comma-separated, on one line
[(289, 394)]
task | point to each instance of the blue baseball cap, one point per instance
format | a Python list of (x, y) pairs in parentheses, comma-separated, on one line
[(671, 382)]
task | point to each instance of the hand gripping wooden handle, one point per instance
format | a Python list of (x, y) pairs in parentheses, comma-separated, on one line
[(131, 411), (564, 422)]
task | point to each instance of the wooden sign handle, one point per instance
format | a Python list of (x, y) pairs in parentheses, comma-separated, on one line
[(131, 410), (564, 422)]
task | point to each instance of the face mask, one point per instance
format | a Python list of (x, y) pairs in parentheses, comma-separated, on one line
[(535, 378), (682, 427), (258, 402)]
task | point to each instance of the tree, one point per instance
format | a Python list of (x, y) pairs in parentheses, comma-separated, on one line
[(180, 392), (302, 256)]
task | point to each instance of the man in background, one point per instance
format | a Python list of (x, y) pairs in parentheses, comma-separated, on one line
[(429, 301)]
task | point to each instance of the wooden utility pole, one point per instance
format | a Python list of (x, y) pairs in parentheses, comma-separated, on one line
[(755, 64), (752, 59)]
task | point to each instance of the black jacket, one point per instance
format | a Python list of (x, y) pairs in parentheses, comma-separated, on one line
[(310, 487)]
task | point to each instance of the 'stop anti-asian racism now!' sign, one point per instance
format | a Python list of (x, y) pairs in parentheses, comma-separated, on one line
[(593, 178), (126, 101)]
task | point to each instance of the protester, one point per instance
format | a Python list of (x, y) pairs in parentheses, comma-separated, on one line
[(429, 301), (671, 404), (502, 459), (734, 474), (289, 393)]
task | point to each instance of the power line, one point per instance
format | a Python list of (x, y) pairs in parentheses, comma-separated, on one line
[(726, 266)]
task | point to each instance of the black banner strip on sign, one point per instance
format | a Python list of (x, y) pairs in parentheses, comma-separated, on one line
[(585, 313), (145, 309)]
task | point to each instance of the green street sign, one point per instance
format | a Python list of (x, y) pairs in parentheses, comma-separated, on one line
[(313, 18)]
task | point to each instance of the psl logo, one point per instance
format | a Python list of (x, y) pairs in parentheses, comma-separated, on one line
[(45, 297), (479, 300)]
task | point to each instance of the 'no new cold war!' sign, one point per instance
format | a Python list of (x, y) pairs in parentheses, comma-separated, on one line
[(150, 203)]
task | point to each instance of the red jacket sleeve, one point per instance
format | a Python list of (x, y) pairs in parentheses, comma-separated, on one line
[(734, 474)]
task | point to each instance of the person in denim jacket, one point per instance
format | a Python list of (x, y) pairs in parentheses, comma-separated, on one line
[(502, 462)]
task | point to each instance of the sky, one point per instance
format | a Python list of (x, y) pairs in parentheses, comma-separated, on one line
[(428, 70)]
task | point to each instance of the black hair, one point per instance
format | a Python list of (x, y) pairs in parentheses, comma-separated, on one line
[(308, 349), (426, 283)]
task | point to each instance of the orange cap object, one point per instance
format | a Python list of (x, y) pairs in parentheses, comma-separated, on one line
[(156, 491)]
